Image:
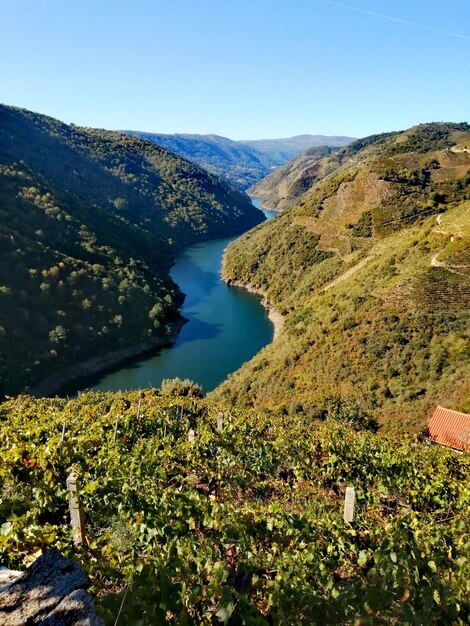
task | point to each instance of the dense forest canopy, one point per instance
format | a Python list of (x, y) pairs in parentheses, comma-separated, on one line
[(89, 221)]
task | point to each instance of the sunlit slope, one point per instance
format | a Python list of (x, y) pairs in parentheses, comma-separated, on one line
[(370, 269), (286, 185), (243, 524)]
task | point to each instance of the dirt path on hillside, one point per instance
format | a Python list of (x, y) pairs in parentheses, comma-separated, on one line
[(348, 273), (436, 263)]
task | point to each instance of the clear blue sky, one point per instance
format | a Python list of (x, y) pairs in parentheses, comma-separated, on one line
[(239, 68)]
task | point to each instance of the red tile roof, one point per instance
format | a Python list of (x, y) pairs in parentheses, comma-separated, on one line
[(450, 428)]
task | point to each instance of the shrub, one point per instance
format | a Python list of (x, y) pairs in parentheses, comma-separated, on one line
[(178, 387)]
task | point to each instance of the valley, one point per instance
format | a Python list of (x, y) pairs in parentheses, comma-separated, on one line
[(374, 290), (228, 508), (225, 327), (366, 264), (235, 313), (90, 223), (241, 163)]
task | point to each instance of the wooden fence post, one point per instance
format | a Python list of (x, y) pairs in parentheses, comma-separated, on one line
[(76, 511), (191, 435), (220, 421), (115, 429), (62, 437), (349, 504)]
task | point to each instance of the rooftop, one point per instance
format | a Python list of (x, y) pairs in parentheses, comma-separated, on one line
[(450, 428)]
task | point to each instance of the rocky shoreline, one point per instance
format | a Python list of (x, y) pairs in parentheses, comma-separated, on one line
[(275, 317), (263, 206), (96, 365)]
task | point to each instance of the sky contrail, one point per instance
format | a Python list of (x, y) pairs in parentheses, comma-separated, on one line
[(395, 19)]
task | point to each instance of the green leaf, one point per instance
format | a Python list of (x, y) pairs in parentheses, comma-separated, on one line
[(362, 559), (6, 528), (226, 606)]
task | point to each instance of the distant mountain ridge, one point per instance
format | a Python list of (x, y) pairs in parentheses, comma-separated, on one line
[(282, 150), (242, 163)]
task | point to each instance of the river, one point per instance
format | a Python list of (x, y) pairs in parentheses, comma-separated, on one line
[(226, 327)]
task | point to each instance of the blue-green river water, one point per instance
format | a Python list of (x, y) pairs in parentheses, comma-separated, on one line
[(227, 326)]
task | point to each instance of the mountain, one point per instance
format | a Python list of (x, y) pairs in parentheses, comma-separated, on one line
[(235, 162), (282, 150), (242, 163), (371, 269), (89, 222), (286, 184), (229, 509)]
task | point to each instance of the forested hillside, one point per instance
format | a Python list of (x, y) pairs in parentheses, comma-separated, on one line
[(89, 220), (242, 163), (243, 525), (371, 268)]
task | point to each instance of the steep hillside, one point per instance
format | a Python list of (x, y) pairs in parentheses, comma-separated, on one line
[(282, 150), (133, 179), (243, 524), (233, 161), (371, 270), (89, 221), (286, 185)]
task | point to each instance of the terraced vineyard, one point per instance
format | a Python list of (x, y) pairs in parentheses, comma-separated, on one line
[(244, 525), (370, 267)]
